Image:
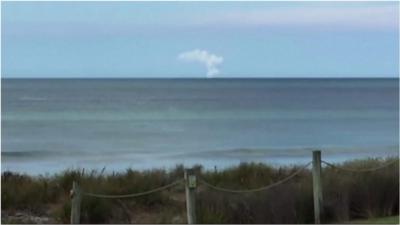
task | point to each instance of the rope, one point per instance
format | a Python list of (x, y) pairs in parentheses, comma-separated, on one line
[(235, 191), (256, 189), (135, 194), (359, 170)]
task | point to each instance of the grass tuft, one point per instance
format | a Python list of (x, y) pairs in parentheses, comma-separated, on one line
[(347, 196)]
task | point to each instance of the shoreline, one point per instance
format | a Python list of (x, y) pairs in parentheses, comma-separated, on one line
[(214, 160)]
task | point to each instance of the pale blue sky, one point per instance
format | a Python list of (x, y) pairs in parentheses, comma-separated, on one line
[(249, 39)]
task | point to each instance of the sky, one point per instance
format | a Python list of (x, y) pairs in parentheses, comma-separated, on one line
[(199, 39)]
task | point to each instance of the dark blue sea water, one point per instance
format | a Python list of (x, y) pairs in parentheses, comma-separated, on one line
[(52, 124)]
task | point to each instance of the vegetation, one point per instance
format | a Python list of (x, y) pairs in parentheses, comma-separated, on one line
[(347, 196), (381, 220)]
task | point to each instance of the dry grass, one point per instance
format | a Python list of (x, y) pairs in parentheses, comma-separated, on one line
[(347, 196)]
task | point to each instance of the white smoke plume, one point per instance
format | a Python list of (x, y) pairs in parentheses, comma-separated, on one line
[(211, 61)]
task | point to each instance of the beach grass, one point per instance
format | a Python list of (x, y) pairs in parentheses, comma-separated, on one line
[(347, 196), (381, 220)]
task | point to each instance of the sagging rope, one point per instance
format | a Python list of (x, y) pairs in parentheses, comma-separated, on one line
[(135, 194), (256, 189), (359, 170), (236, 191)]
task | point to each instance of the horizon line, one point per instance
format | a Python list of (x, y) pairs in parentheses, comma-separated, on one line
[(200, 78)]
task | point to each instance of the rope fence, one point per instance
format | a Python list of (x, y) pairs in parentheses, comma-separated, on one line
[(190, 180), (255, 189), (360, 170), (173, 184)]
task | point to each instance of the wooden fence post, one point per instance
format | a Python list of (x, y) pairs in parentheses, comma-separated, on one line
[(75, 203), (190, 189), (317, 187)]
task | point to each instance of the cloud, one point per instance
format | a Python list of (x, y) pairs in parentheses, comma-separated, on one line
[(211, 61), (362, 17)]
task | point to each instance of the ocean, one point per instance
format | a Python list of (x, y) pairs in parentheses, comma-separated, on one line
[(49, 125)]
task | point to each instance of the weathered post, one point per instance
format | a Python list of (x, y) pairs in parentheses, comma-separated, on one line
[(75, 203), (317, 187), (190, 189)]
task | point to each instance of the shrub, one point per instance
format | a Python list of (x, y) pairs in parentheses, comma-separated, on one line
[(347, 195)]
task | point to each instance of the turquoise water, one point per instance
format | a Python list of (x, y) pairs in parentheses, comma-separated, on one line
[(52, 124)]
